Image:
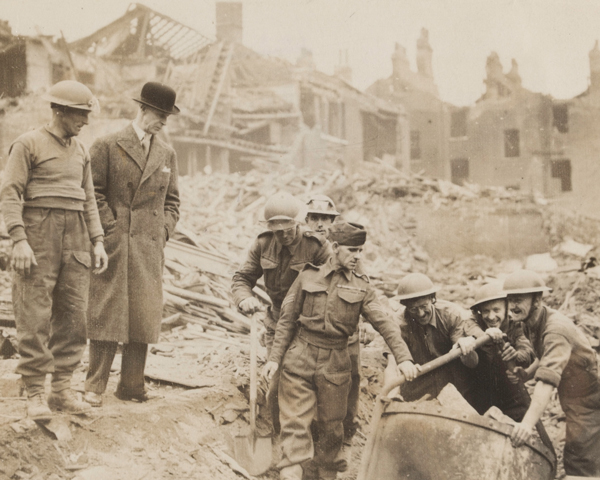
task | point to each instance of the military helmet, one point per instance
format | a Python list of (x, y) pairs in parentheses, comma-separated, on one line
[(281, 210), (525, 281), (72, 94), (488, 292), (415, 285), (321, 204)]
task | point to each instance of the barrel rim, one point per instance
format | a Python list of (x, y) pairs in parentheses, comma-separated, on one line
[(505, 429)]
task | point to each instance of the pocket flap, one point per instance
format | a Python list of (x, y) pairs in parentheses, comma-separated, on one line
[(298, 267), (84, 258), (337, 378), (351, 296), (267, 264), (314, 287)]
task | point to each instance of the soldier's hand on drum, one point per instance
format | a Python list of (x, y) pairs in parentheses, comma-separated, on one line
[(269, 370), (22, 257), (520, 434), (249, 305), (409, 370)]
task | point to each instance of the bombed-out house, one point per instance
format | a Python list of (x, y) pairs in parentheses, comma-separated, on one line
[(417, 93), (239, 108)]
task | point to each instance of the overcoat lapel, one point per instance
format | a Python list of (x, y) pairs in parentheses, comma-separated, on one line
[(131, 144), (155, 159)]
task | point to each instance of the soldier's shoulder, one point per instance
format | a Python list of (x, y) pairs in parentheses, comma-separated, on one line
[(309, 267), (361, 276), (266, 234), (314, 237), (446, 307)]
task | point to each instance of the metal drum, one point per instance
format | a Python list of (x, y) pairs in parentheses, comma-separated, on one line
[(423, 441)]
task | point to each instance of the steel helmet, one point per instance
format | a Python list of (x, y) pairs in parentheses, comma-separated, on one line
[(488, 292), (321, 204), (415, 285), (525, 281), (281, 210), (71, 94)]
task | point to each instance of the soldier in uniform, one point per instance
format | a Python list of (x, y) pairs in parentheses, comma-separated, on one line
[(51, 214), (320, 215), (496, 385), (567, 363), (279, 254), (431, 328), (319, 314)]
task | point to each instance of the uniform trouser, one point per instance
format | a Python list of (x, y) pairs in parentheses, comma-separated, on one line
[(350, 422), (50, 303), (582, 444), (314, 386), (133, 363)]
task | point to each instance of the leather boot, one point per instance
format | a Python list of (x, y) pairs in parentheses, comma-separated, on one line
[(67, 401), (37, 408)]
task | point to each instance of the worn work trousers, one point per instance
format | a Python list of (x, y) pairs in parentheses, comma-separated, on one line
[(582, 444), (50, 303), (133, 364), (351, 420), (314, 386)]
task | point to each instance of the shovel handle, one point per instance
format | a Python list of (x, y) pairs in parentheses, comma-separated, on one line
[(253, 369)]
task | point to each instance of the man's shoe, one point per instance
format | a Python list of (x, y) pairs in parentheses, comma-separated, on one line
[(293, 472), (66, 401), (37, 408), (94, 399), (139, 397)]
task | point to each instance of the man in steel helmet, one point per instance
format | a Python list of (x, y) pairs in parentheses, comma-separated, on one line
[(431, 328), (567, 363), (50, 212), (320, 312), (320, 213), (496, 385), (279, 255)]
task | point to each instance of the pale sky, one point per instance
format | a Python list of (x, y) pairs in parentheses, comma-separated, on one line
[(550, 39)]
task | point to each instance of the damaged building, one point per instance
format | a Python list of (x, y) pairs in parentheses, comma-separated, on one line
[(239, 108), (417, 93)]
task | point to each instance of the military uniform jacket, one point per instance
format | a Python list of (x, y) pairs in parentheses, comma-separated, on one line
[(323, 307), (567, 360), (279, 264)]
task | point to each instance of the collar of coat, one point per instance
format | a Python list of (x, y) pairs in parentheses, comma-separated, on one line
[(130, 143)]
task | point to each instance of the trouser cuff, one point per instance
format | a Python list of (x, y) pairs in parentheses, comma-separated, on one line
[(61, 381), (34, 384)]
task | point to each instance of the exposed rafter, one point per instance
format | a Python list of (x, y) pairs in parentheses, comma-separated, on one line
[(143, 32)]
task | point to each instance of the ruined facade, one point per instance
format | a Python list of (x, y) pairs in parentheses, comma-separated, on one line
[(417, 93)]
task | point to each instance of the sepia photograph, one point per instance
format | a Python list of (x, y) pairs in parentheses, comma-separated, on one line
[(299, 239)]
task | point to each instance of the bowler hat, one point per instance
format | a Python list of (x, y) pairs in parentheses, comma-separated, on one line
[(159, 96)]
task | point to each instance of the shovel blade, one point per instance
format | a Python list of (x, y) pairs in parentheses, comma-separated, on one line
[(254, 454)]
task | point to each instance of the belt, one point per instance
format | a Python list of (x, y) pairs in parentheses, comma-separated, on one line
[(322, 341)]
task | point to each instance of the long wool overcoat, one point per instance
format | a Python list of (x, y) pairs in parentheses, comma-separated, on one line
[(139, 208)]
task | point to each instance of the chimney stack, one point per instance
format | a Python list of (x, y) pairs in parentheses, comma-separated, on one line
[(229, 21)]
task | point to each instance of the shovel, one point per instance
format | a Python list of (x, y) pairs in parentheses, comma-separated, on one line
[(252, 452), (389, 385)]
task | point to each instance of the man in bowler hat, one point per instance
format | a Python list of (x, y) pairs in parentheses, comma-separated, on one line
[(135, 181)]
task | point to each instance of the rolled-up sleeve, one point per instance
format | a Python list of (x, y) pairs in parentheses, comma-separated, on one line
[(557, 352)]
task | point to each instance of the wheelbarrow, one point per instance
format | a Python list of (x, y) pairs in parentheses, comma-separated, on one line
[(425, 441)]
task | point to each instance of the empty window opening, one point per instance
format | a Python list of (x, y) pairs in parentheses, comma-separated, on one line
[(511, 143), (560, 114), (458, 123), (562, 169), (415, 144), (459, 170)]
